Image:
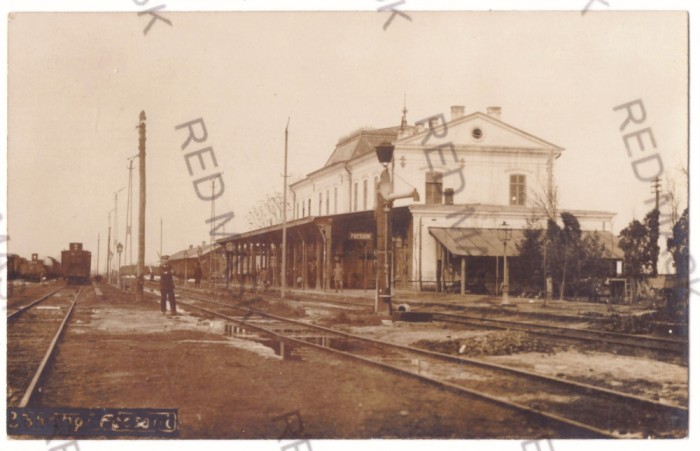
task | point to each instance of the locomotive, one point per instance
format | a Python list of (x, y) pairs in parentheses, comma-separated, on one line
[(75, 263), (35, 269)]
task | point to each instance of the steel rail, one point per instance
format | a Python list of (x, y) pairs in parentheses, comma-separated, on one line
[(493, 366), (549, 417), (657, 343), (590, 389), (14, 315), (47, 356)]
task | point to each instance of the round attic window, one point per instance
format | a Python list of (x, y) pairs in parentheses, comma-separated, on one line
[(477, 133)]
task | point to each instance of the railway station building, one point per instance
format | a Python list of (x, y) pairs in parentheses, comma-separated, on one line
[(472, 172)]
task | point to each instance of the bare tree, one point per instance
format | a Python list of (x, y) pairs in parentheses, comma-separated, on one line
[(268, 211), (673, 197), (545, 203)]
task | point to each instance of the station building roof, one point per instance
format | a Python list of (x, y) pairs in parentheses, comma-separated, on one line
[(192, 251), (360, 143)]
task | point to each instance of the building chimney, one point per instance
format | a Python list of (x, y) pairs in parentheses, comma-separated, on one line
[(191, 246), (457, 111), (433, 187), (449, 196), (494, 111), (204, 243), (419, 127)]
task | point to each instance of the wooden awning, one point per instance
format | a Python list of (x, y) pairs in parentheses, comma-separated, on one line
[(470, 242)]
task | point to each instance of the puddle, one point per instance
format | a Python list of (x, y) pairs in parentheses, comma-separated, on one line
[(247, 345)]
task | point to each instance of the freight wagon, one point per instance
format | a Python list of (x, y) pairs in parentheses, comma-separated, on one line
[(75, 263)]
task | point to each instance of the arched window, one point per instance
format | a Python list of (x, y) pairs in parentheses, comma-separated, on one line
[(364, 194), (376, 188), (517, 189), (335, 200), (354, 195)]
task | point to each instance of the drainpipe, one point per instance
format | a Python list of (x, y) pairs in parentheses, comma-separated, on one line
[(420, 253)]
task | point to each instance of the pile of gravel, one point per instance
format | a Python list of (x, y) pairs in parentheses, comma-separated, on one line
[(494, 343)]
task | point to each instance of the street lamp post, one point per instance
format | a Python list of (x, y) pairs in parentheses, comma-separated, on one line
[(385, 153), (385, 198), (186, 265), (504, 234), (229, 253), (120, 248)]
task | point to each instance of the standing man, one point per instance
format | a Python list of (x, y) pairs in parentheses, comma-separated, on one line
[(338, 277), (167, 287)]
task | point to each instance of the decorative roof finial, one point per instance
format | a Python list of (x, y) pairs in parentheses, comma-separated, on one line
[(404, 111)]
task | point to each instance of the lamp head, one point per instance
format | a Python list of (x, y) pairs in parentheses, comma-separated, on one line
[(416, 196), (385, 152)]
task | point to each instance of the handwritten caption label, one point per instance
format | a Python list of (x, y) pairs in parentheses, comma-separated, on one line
[(82, 422)]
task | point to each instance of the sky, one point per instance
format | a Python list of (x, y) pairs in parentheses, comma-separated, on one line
[(78, 81)]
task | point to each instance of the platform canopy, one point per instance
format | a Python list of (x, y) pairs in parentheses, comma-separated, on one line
[(470, 242), (473, 242)]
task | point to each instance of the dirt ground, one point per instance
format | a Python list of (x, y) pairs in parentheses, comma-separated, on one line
[(641, 376), (659, 381), (20, 292), (121, 353)]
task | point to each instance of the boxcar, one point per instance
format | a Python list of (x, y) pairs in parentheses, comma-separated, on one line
[(75, 263), (14, 264), (33, 269)]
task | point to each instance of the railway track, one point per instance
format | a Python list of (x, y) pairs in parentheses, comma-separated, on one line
[(19, 310), (575, 409), (666, 345), (33, 332), (676, 347)]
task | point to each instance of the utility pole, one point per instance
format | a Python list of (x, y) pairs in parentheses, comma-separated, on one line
[(656, 186), (128, 243), (211, 233), (284, 214), (97, 263), (142, 204), (160, 253), (116, 220), (550, 214), (109, 239)]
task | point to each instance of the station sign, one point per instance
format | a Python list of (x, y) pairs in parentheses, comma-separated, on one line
[(360, 236)]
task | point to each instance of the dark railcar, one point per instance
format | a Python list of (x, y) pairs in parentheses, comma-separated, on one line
[(75, 263), (14, 264), (33, 269)]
